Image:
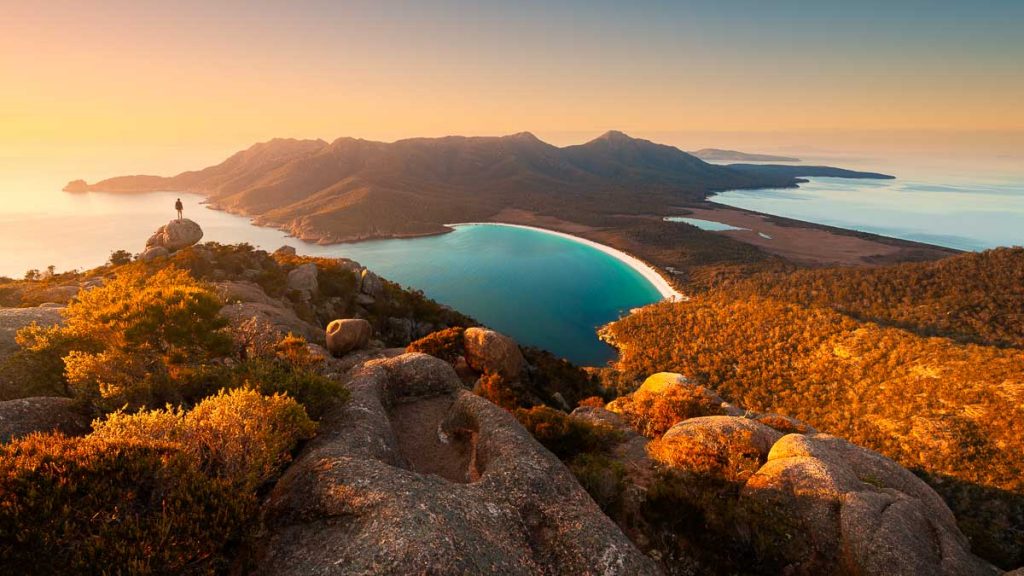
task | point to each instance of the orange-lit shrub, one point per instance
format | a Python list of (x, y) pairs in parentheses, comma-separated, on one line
[(652, 414), (160, 491), (495, 389), (445, 344)]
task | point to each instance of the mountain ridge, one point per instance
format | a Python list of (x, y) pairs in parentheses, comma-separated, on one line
[(354, 189)]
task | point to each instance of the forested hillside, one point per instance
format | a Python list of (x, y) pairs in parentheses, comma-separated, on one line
[(973, 297), (949, 409)]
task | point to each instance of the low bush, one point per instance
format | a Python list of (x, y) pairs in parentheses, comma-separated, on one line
[(566, 437), (446, 344), (161, 491), (603, 478), (652, 414)]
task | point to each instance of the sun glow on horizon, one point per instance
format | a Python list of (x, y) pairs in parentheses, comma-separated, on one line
[(143, 78)]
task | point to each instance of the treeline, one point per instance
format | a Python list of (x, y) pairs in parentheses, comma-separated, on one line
[(973, 297), (952, 411)]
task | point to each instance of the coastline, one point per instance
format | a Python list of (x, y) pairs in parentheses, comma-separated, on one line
[(649, 272)]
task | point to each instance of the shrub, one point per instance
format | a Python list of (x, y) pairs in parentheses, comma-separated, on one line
[(494, 388), (592, 402), (122, 342), (566, 437), (446, 344), (317, 393), (120, 258), (239, 435), (652, 414), (159, 491), (72, 505), (603, 478)]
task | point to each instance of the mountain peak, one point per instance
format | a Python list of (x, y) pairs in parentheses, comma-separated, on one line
[(523, 136), (615, 136)]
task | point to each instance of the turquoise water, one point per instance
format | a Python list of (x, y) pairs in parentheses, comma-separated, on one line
[(962, 216), (709, 225), (541, 289)]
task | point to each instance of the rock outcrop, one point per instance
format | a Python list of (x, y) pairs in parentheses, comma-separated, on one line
[(826, 505), (344, 336), (728, 446), (175, 235), (303, 279), (370, 284), (40, 414), (854, 511), (417, 475), (153, 252), (14, 319), (490, 351)]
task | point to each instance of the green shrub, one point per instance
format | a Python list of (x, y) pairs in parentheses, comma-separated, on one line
[(566, 437), (603, 478)]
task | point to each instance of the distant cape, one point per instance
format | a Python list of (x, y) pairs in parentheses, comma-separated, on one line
[(719, 155)]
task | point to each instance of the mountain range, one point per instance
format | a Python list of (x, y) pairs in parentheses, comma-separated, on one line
[(355, 189)]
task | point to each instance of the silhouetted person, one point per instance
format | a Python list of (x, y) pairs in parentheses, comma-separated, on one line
[(179, 207)]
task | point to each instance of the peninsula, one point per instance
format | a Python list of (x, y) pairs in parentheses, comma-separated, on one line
[(613, 190)]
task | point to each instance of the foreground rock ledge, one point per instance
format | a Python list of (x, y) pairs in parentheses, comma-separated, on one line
[(417, 475)]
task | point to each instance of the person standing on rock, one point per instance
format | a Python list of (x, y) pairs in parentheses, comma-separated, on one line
[(179, 207)]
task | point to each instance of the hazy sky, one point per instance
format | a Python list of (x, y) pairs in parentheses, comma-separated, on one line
[(88, 76)]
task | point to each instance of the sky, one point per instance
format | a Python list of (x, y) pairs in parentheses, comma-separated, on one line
[(165, 86)]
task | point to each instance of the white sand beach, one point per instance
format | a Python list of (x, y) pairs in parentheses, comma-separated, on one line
[(644, 269)]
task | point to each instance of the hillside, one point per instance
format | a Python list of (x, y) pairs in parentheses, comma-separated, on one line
[(720, 155), (353, 189), (921, 362), (223, 410)]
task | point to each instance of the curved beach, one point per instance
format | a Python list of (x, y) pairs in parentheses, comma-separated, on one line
[(644, 269)]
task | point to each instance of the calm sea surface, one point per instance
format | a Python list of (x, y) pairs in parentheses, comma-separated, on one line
[(541, 289), (956, 215)]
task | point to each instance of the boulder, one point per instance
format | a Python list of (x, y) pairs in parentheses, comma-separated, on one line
[(58, 294), (175, 235), (850, 510), (285, 251), (14, 319), (154, 252), (659, 382), (232, 291), (489, 351), (283, 320), (40, 414), (415, 475), (370, 283), (726, 446), (344, 336), (303, 278)]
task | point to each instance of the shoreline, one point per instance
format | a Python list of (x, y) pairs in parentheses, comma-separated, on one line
[(646, 270)]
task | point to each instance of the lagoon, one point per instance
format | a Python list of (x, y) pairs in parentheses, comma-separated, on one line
[(542, 289)]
